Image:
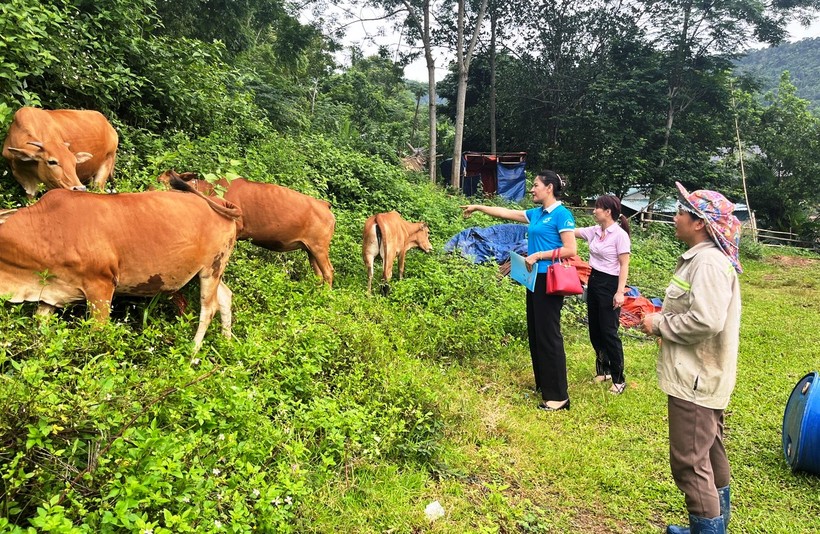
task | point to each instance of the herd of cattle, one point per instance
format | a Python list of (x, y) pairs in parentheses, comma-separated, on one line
[(72, 245)]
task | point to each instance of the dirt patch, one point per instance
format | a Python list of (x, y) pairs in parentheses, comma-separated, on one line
[(793, 261)]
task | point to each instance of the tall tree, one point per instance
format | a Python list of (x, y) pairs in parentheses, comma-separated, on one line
[(784, 171), (464, 55), (700, 37), (417, 18)]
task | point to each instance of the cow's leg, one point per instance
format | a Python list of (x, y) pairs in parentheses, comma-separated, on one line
[(402, 255), (314, 265), (104, 172), (44, 309), (224, 297), (320, 261), (208, 305), (370, 249), (99, 295), (179, 301), (387, 271)]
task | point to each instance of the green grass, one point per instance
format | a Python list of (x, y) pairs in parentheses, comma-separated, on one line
[(602, 467)]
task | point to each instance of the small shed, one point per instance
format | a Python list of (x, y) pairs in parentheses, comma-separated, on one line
[(501, 174)]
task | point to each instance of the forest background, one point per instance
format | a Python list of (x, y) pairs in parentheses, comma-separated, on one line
[(334, 412)]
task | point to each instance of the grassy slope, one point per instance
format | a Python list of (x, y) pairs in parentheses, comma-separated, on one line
[(602, 467)]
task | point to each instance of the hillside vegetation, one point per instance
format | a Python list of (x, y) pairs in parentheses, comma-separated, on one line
[(801, 59)]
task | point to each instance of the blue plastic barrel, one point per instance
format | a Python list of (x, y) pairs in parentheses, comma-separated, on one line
[(801, 425)]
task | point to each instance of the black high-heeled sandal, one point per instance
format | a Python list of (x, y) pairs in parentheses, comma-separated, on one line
[(547, 408), (617, 389)]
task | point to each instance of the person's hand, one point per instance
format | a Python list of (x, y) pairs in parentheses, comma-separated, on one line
[(530, 261), (468, 210), (617, 300), (646, 324)]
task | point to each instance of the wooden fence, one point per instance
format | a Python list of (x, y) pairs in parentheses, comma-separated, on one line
[(770, 238)]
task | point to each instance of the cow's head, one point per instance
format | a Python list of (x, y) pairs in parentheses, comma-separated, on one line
[(193, 179), (423, 238), (56, 163)]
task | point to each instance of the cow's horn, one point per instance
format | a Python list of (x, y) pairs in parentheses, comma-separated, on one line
[(38, 144)]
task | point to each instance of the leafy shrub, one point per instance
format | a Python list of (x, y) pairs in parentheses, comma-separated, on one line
[(749, 248)]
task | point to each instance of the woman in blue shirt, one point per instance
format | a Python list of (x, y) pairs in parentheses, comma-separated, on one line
[(551, 228)]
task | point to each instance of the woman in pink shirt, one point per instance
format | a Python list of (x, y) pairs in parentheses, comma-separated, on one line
[(609, 248)]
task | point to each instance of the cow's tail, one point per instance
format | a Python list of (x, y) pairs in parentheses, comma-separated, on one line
[(223, 207), (379, 239)]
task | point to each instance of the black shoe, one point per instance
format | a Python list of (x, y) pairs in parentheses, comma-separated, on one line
[(544, 406)]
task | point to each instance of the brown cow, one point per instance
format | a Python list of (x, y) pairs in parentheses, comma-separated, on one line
[(74, 246), (276, 218), (388, 235), (62, 148)]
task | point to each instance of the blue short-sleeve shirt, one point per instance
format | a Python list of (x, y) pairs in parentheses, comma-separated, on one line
[(545, 227)]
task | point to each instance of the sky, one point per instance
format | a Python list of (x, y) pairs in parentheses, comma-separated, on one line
[(369, 35)]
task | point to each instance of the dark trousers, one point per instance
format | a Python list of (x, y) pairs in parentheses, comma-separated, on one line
[(603, 326), (549, 361), (697, 456)]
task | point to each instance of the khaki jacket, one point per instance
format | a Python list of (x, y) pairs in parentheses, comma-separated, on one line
[(699, 326)]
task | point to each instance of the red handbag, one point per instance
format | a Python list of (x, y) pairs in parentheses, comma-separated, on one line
[(562, 278)]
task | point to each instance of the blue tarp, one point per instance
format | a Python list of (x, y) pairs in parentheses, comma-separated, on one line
[(495, 242), (512, 183)]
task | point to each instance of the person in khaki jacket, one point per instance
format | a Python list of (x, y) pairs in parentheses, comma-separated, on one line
[(699, 327)]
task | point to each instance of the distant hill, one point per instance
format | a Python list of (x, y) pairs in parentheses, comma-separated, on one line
[(801, 59)]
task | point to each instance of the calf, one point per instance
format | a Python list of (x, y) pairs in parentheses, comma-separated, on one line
[(388, 235), (276, 218)]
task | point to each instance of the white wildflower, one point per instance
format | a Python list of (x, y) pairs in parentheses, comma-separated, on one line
[(218, 523), (216, 471), (255, 493), (288, 500), (195, 361), (221, 437)]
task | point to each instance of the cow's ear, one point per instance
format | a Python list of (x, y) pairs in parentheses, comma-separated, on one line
[(82, 157), (21, 154)]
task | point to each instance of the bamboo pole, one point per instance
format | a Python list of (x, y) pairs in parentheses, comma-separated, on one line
[(742, 168)]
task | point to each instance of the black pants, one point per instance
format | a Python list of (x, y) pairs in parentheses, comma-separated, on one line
[(549, 361), (603, 326)]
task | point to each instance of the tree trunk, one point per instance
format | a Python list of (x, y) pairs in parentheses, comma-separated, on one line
[(432, 158), (463, 59), (462, 82), (493, 147), (431, 92)]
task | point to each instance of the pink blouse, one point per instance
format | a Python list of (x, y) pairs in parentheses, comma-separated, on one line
[(605, 246)]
